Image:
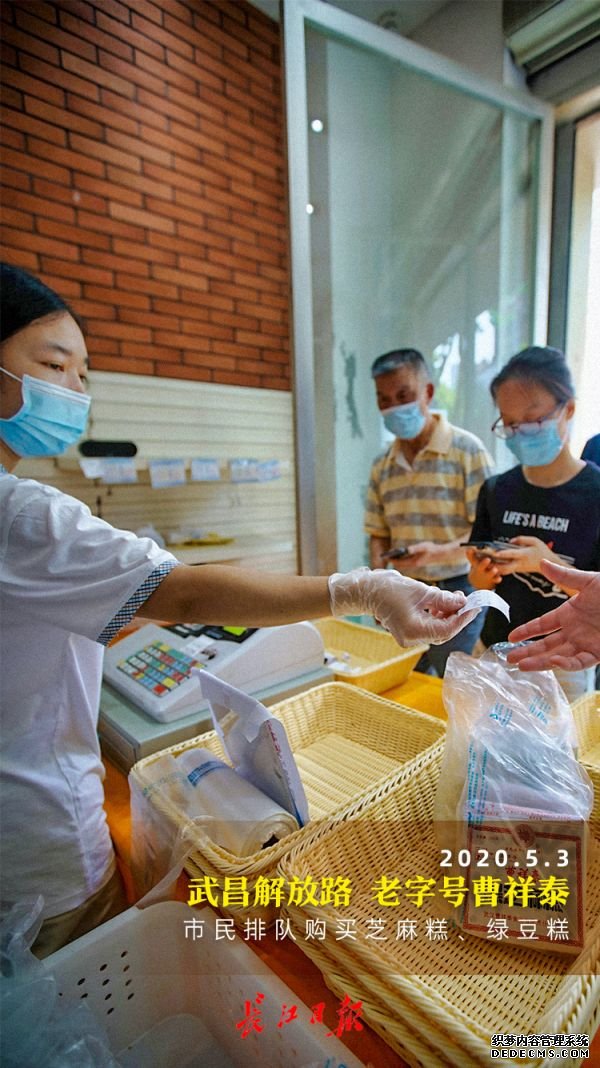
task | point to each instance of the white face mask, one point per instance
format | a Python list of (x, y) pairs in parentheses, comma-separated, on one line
[(51, 418)]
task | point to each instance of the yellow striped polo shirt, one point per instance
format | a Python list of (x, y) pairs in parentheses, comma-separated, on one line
[(434, 500)]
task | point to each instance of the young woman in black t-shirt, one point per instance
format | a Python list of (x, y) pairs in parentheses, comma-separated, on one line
[(547, 507)]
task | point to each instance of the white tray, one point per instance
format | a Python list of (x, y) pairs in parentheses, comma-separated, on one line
[(167, 1001)]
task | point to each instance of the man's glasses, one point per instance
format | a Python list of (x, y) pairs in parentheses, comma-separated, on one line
[(504, 431)]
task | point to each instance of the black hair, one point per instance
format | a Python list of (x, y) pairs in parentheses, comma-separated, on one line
[(24, 299), (541, 364), (400, 358)]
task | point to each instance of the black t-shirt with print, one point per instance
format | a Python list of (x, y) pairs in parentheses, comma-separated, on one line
[(566, 517)]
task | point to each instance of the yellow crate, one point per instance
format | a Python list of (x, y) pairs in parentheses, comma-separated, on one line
[(436, 1003), (373, 656), (586, 712), (345, 742)]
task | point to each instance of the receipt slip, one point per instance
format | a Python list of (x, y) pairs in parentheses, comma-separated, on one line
[(485, 599)]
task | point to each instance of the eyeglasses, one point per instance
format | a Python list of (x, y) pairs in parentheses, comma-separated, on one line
[(528, 429)]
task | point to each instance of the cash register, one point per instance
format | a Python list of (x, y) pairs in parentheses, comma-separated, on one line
[(151, 697)]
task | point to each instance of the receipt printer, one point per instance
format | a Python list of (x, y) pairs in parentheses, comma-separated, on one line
[(153, 666)]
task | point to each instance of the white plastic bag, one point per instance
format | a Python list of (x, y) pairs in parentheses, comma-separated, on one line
[(512, 800)]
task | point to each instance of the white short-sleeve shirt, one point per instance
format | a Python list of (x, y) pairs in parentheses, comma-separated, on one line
[(65, 575)]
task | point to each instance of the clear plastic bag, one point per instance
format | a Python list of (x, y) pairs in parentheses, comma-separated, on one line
[(36, 1027), (512, 800)]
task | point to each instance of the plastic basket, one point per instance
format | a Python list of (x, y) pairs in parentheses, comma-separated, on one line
[(345, 741), (375, 661), (435, 1003), (586, 711), (167, 1001)]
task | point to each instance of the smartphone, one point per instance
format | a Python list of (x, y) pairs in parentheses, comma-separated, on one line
[(487, 548), (395, 554)]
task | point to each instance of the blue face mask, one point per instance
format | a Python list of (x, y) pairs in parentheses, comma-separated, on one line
[(50, 419), (406, 421), (537, 450)]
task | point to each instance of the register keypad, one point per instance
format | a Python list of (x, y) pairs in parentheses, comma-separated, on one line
[(159, 667)]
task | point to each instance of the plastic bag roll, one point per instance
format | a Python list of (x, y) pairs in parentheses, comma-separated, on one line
[(233, 813)]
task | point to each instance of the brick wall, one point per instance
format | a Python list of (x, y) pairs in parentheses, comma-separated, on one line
[(143, 178)]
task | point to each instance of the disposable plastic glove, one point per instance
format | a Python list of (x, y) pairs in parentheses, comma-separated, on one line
[(573, 630), (412, 611)]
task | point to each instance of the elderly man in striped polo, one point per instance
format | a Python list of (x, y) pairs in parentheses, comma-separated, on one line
[(423, 490)]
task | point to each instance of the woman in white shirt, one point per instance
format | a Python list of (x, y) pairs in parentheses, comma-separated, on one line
[(70, 581)]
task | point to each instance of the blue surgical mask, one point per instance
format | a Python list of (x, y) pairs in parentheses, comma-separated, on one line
[(406, 421), (50, 419), (537, 450)]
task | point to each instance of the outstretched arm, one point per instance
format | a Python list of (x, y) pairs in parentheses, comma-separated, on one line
[(412, 611), (572, 631)]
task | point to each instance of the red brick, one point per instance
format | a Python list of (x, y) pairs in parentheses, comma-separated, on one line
[(117, 10), (24, 42), (109, 190), (122, 296), (159, 352), (28, 125), (143, 252), (95, 311), (97, 36), (209, 300), (65, 41), (131, 73), (134, 39), (62, 117), (114, 262), (262, 311), (51, 94), (110, 226), (59, 78), (175, 35), (68, 288), (150, 10), (153, 320), (234, 349), (81, 272), (104, 116), (13, 253), (38, 205), (173, 211), (182, 341), (167, 74), (150, 286), (22, 162), (15, 179), (215, 33), (136, 181), (200, 359), (100, 75), (151, 103), (80, 10), (212, 330), (64, 157), (13, 139), (41, 245), (11, 98), (20, 220), (119, 330), (118, 363), (238, 378), (85, 147), (150, 219)]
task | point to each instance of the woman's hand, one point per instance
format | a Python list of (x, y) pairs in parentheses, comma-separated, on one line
[(572, 631), (526, 556), (484, 574)]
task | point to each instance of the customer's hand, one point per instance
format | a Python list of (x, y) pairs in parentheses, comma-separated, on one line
[(526, 556), (484, 574), (412, 611), (573, 629)]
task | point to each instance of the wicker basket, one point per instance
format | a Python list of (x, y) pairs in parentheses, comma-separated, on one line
[(375, 661), (435, 1003), (586, 711), (344, 741)]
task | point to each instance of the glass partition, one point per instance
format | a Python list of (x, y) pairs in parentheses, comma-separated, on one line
[(422, 214)]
